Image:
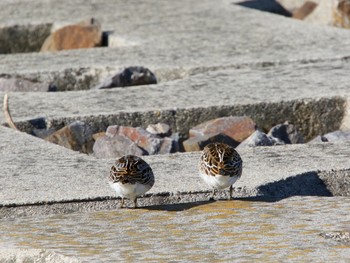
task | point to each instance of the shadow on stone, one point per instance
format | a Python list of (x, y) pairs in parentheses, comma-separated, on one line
[(271, 6), (306, 184), (177, 207)]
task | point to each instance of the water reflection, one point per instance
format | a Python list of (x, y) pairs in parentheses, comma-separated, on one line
[(214, 230)]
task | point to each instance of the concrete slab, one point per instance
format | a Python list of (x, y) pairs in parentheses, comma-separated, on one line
[(36, 172), (181, 34), (213, 88)]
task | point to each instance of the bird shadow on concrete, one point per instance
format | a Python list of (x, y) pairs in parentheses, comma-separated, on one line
[(306, 184), (178, 207)]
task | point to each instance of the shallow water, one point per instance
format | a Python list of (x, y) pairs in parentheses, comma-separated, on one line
[(207, 231)]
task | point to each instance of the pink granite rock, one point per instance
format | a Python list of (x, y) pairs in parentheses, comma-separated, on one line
[(86, 34), (147, 142), (199, 142), (76, 136), (237, 127), (115, 146)]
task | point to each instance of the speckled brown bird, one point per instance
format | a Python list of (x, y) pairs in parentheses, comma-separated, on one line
[(131, 177), (220, 166)]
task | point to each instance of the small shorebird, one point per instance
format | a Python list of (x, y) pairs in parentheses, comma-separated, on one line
[(220, 166), (131, 177)]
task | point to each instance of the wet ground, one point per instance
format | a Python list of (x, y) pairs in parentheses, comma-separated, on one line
[(217, 231)]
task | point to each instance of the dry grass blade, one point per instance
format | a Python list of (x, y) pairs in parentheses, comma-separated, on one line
[(7, 114)]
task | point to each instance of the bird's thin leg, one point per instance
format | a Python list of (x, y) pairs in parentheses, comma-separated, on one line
[(135, 202), (231, 190), (122, 203), (212, 195)]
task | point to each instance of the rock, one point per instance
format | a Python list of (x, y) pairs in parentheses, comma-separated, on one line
[(303, 11), (168, 145), (331, 13), (115, 146), (160, 129), (237, 127), (141, 137), (259, 138), (287, 133), (293, 5), (42, 133), (146, 142), (98, 135), (197, 143), (319, 139), (341, 14), (131, 76), (86, 34), (76, 136), (336, 136), (23, 85)]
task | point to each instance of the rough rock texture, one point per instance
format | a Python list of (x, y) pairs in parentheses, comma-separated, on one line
[(23, 38), (160, 129), (337, 182), (259, 138), (23, 85), (293, 5), (342, 14), (141, 137), (122, 140), (86, 34), (287, 133), (336, 136), (115, 146), (303, 11), (197, 143), (131, 76), (76, 136), (237, 127), (332, 13)]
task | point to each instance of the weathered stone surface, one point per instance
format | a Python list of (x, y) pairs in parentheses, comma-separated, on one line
[(138, 135), (160, 129), (332, 13), (23, 38), (23, 85), (98, 135), (86, 34), (337, 181), (139, 142), (336, 136), (293, 5), (259, 138), (197, 143), (237, 127), (286, 133), (42, 133), (342, 14), (303, 11), (131, 76), (169, 145), (76, 136), (115, 146)]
